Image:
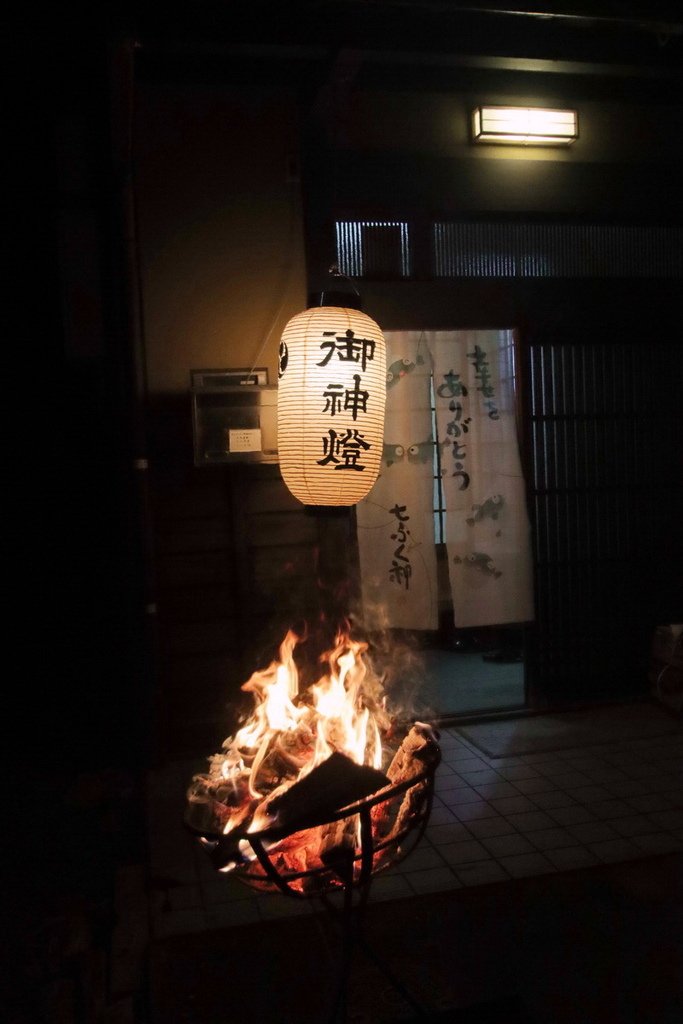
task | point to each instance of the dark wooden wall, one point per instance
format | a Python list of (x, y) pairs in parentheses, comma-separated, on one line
[(238, 561)]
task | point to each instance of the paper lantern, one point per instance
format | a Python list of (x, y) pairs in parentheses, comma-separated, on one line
[(331, 397)]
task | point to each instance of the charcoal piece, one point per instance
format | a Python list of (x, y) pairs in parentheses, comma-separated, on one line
[(334, 784)]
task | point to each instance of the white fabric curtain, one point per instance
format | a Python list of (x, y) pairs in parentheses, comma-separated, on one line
[(486, 521), (487, 526), (395, 521)]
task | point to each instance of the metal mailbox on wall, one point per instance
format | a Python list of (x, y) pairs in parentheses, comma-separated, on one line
[(234, 417)]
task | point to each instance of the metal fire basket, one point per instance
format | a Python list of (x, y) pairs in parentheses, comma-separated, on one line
[(252, 857), (379, 847)]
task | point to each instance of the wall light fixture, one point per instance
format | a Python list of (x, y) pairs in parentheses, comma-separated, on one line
[(525, 126)]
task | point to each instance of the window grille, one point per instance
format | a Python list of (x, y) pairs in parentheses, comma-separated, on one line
[(379, 249), (469, 249)]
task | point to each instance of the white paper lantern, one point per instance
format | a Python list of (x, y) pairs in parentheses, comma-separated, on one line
[(331, 398)]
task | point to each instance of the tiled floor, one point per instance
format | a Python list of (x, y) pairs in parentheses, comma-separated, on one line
[(493, 819)]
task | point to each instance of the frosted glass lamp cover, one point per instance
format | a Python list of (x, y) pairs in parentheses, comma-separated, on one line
[(525, 126), (331, 398)]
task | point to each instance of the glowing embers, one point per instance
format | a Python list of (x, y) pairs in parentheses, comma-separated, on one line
[(299, 799)]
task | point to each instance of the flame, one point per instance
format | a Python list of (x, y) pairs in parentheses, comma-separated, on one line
[(289, 733)]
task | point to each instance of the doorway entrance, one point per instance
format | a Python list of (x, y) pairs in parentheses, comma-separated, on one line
[(444, 536), (478, 671)]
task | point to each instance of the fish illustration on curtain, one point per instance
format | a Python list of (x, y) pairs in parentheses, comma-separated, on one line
[(487, 532)]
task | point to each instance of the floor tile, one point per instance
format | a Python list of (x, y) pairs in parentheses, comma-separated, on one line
[(463, 853), (563, 778), (671, 748), (574, 815), (491, 790), (589, 794), (619, 756), (520, 771), (667, 819), (612, 850), (389, 887), (651, 802), (540, 784), (466, 764), (572, 857), (576, 753), (626, 788), (523, 865), (663, 781), (433, 880), (441, 815), (530, 821), (482, 872), (605, 809), (657, 842), (460, 796), (637, 770), (541, 761), (551, 839), (478, 777), (447, 783), (512, 804), (423, 857), (506, 846), (494, 826), (606, 775), (449, 740), (632, 825), (587, 763), (474, 811), (553, 798), (450, 833), (592, 832)]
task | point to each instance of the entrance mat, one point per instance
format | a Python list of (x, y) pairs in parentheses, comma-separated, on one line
[(538, 734)]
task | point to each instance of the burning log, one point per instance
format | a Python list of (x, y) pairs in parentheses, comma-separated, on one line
[(333, 785), (418, 750)]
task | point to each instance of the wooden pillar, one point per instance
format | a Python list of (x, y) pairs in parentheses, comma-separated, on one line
[(337, 563)]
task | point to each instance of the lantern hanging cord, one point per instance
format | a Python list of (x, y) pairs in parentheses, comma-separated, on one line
[(334, 271)]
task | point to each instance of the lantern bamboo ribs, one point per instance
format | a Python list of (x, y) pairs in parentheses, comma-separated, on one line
[(331, 400)]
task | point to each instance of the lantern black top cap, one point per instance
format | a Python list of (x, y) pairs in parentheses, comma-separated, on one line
[(335, 293)]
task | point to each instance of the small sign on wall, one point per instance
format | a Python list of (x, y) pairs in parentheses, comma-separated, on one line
[(244, 440)]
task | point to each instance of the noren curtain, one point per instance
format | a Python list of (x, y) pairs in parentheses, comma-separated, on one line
[(471, 377)]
